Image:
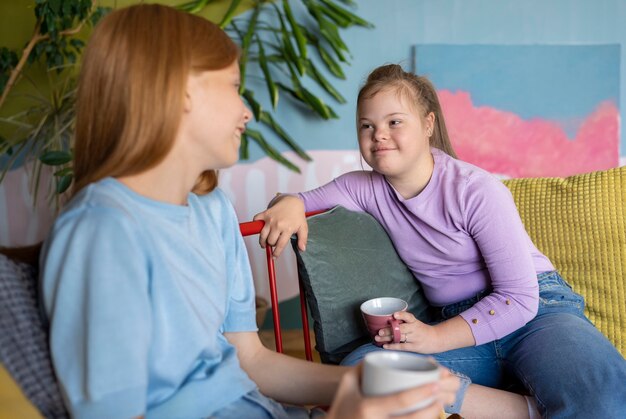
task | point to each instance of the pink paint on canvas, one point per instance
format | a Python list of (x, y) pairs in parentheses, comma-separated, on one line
[(503, 143)]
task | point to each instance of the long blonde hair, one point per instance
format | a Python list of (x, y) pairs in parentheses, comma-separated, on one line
[(418, 90), (131, 89)]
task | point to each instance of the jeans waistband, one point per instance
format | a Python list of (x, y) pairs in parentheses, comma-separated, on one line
[(546, 280)]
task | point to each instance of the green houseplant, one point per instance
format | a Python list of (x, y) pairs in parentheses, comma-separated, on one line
[(286, 46)]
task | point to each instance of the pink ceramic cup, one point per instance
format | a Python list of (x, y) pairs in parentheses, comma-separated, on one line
[(378, 314)]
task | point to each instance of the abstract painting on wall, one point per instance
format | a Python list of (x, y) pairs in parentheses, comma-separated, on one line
[(528, 110)]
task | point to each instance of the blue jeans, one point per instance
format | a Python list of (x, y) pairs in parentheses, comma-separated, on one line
[(559, 357)]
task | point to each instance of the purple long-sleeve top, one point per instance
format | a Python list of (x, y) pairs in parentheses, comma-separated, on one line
[(460, 235)]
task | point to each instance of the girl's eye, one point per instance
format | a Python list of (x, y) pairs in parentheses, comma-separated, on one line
[(394, 122), (366, 126)]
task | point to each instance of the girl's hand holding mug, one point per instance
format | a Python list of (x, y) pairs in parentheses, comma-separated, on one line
[(415, 336), (350, 403)]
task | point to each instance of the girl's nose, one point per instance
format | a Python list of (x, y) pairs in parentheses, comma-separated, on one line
[(381, 134), (247, 114)]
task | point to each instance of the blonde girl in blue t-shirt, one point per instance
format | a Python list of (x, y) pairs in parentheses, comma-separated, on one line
[(145, 278)]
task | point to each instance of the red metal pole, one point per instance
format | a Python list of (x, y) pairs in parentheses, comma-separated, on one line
[(271, 272), (305, 322)]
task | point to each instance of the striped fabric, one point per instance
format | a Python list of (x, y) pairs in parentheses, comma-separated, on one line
[(579, 222), (23, 340)]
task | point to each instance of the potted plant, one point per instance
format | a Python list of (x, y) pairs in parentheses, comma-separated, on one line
[(282, 47)]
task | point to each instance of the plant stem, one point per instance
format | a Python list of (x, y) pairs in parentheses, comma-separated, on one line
[(20, 65), (37, 38)]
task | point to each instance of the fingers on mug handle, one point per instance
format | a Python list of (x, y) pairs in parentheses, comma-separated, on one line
[(395, 329)]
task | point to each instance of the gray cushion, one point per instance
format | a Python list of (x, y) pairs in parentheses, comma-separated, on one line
[(23, 339), (349, 259)]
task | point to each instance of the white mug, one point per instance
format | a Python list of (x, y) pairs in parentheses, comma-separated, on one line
[(387, 372)]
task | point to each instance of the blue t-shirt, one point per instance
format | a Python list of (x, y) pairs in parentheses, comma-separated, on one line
[(138, 294)]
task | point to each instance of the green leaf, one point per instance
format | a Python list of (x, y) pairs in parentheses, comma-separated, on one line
[(63, 183), (193, 6), (200, 4), (310, 101), (55, 158), (288, 50), (245, 45), (332, 65), (316, 103), (325, 84), (55, 6), (331, 34), (328, 31), (295, 29), (244, 149), (269, 150), (4, 145), (77, 43), (268, 120), (256, 107), (229, 13), (64, 172), (269, 82), (186, 7), (291, 91), (307, 98), (66, 8), (335, 17), (98, 14), (346, 14)]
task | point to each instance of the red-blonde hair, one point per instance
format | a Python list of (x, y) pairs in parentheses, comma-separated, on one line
[(131, 89)]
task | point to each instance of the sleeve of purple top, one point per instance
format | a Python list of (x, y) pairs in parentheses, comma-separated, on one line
[(346, 190), (493, 221)]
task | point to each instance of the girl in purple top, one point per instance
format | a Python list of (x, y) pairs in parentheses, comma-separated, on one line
[(507, 320)]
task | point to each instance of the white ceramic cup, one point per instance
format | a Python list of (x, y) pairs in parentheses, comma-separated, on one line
[(388, 372)]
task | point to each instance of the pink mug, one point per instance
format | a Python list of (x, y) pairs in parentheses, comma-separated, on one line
[(378, 314)]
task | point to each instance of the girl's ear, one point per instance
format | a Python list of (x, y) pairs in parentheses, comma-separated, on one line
[(190, 86), (187, 101), (430, 122)]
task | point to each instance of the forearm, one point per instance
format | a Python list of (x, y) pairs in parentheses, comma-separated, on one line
[(295, 381), (280, 196), (284, 378), (451, 334)]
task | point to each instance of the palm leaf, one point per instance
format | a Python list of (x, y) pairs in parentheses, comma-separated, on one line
[(267, 119), (325, 84), (228, 16), (269, 82), (271, 152)]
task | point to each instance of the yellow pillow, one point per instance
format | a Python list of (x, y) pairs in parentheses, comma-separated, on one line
[(579, 222)]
